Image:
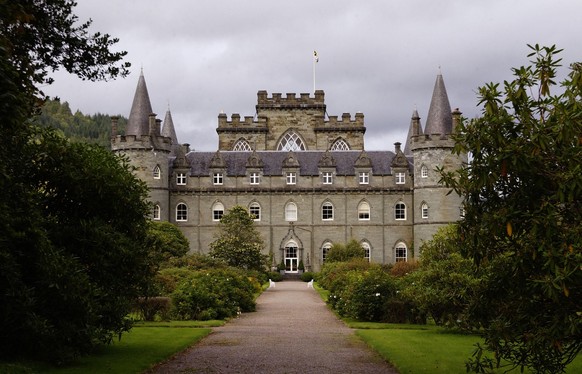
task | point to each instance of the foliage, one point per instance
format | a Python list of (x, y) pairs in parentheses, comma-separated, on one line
[(523, 193), (444, 285), (275, 276), (238, 243), (166, 242), (78, 127), (332, 272), (344, 252), (403, 268), (214, 294), (307, 276), (150, 307), (72, 216)]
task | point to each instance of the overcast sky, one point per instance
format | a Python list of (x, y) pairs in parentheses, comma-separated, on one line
[(379, 57)]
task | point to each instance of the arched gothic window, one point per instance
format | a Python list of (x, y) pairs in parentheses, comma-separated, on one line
[(424, 171), (157, 172), (400, 211), (291, 212), (400, 252), (424, 210), (255, 211), (156, 213), (217, 211), (367, 250), (364, 211), (242, 146), (340, 145), (291, 141), (325, 250), (327, 211), (181, 212)]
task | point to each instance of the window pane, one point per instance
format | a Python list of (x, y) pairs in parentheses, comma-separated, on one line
[(255, 210), (157, 172), (400, 211), (242, 145), (364, 211), (364, 178), (291, 142), (400, 252), (181, 212), (340, 145), (291, 178), (291, 212), (327, 211), (217, 178)]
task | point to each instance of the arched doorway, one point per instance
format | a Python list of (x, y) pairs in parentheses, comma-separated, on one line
[(291, 257)]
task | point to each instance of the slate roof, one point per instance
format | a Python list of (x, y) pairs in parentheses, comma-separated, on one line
[(141, 108), (439, 119), (308, 161)]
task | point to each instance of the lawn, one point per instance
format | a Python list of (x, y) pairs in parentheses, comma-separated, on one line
[(137, 351)]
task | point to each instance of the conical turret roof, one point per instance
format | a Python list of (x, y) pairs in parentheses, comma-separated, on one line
[(138, 122), (439, 119), (414, 130), (168, 130)]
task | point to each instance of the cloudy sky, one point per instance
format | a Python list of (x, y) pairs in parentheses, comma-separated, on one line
[(379, 57)]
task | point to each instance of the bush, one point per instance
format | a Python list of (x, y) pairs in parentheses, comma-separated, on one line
[(214, 294), (150, 307), (275, 276), (307, 276)]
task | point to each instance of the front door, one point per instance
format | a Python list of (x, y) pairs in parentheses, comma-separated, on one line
[(291, 260)]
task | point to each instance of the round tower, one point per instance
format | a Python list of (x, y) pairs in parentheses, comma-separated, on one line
[(147, 149), (431, 150)]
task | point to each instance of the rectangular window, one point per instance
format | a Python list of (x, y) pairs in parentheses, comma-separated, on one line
[(254, 178), (291, 178), (217, 178), (400, 178), (255, 211), (364, 178), (327, 212), (400, 211), (217, 214), (327, 177), (181, 179)]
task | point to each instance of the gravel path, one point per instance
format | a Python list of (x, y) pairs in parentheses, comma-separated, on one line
[(292, 331)]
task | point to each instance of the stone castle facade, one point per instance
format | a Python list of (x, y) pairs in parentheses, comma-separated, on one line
[(305, 176)]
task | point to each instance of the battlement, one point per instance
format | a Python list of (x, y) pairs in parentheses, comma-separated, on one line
[(248, 122), (129, 142), (424, 141), (290, 101)]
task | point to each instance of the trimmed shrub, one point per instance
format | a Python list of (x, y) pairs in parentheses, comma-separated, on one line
[(307, 276), (275, 276)]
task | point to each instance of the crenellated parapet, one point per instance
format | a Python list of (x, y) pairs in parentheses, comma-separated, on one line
[(290, 101), (151, 141), (247, 125), (345, 123)]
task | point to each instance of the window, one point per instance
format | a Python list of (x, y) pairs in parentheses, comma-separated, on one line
[(291, 178), (255, 211), (400, 178), (217, 178), (327, 177), (181, 212), (291, 142), (242, 146), (217, 211), (462, 212), (364, 178), (400, 211), (364, 211), (291, 212), (367, 250), (325, 250), (181, 179), (400, 252), (156, 213), (157, 172), (424, 210), (327, 211), (340, 145), (255, 178), (423, 171)]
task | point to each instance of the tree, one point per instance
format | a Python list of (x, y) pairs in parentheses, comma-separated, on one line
[(238, 243), (523, 213), (345, 252), (165, 242), (72, 216)]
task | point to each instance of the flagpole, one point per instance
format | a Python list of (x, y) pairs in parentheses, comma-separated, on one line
[(315, 60)]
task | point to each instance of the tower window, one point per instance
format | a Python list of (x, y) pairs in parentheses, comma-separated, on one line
[(157, 173), (340, 145), (423, 171), (424, 210), (181, 212), (242, 146), (400, 178), (181, 179), (156, 213), (400, 211)]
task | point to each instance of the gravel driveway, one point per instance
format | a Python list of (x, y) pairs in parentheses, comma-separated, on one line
[(292, 331)]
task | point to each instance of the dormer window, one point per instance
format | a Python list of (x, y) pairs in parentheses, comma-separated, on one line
[(291, 177), (400, 178), (181, 179), (364, 178), (254, 178), (217, 179), (327, 177)]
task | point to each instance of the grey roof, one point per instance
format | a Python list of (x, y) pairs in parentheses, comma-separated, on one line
[(415, 117), (138, 122), (439, 119), (273, 162), (168, 129)]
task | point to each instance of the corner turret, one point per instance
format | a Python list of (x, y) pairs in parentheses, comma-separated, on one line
[(141, 108)]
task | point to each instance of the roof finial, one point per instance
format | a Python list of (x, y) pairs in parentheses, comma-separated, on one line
[(440, 71)]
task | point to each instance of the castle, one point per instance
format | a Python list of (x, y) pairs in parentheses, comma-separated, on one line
[(304, 176)]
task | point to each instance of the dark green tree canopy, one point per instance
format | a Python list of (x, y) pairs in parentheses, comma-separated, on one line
[(238, 242), (523, 212), (340, 252)]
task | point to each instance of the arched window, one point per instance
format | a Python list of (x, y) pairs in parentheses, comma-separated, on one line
[(291, 142), (181, 212), (400, 252), (156, 213), (242, 146), (424, 210), (367, 250), (255, 211), (364, 211), (157, 172), (325, 250), (291, 212), (423, 171), (400, 211), (291, 257), (340, 145), (217, 211), (327, 211)]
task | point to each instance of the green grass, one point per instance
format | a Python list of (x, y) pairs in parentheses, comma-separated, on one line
[(138, 350), (428, 349)]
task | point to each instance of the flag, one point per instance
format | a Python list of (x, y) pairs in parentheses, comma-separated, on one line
[(315, 57)]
